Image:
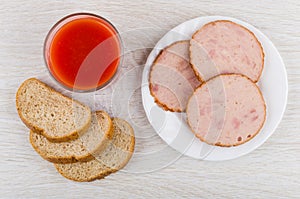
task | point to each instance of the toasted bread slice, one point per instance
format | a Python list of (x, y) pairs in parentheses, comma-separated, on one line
[(49, 113), (95, 139), (113, 158)]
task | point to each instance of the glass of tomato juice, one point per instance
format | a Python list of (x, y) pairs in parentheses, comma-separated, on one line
[(82, 52)]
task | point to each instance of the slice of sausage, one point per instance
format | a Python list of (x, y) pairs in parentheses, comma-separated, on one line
[(224, 47), (172, 80), (227, 110)]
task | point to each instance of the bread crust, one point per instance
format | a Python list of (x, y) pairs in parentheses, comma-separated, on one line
[(132, 144), (108, 135), (239, 143), (227, 21), (98, 177), (70, 136)]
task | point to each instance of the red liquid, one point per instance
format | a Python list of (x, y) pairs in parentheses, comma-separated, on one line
[(84, 53)]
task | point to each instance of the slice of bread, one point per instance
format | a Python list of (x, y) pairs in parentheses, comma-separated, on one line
[(49, 113), (113, 158), (95, 139)]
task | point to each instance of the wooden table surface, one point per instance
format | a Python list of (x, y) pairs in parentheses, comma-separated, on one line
[(156, 171)]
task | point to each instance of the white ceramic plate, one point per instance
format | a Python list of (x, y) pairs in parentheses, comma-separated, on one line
[(172, 127)]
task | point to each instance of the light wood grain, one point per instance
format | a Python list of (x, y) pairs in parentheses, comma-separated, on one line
[(271, 171)]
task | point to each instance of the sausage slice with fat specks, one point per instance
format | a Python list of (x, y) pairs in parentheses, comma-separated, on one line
[(227, 110), (224, 47), (172, 80)]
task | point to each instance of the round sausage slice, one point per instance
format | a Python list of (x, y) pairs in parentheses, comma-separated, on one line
[(224, 47), (227, 110), (172, 80)]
